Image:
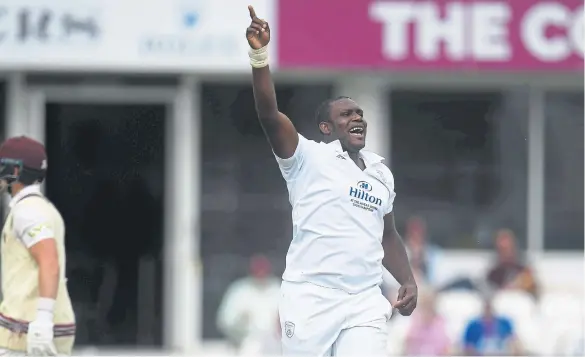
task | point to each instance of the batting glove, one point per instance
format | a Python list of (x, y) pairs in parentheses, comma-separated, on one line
[(39, 338)]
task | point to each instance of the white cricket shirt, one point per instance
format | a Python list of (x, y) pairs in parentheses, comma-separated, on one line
[(31, 219), (338, 216)]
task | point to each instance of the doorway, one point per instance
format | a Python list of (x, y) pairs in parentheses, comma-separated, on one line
[(106, 177), (106, 149)]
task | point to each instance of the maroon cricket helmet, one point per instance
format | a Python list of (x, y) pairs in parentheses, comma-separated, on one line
[(24, 153)]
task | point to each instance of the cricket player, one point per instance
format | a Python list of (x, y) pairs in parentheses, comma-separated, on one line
[(343, 225), (36, 316)]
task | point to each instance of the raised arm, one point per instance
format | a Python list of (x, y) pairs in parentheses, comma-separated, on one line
[(279, 130)]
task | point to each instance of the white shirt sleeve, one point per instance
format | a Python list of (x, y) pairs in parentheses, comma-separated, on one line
[(390, 185), (291, 167), (31, 225)]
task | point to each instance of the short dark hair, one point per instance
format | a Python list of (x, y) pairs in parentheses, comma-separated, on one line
[(28, 176), (323, 112)]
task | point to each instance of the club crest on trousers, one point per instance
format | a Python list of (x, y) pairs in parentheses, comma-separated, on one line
[(289, 329)]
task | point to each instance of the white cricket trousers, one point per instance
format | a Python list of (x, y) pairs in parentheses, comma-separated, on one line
[(318, 321)]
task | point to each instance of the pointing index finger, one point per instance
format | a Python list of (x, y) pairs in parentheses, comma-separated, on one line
[(252, 12)]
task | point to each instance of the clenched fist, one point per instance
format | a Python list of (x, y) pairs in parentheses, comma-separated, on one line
[(258, 33)]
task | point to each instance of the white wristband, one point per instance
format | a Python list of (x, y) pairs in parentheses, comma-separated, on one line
[(46, 304), (259, 57), (45, 307), (44, 315)]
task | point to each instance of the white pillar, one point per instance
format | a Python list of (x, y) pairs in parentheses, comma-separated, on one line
[(182, 332), (372, 95), (16, 106), (36, 105), (535, 197), (25, 109), (17, 121)]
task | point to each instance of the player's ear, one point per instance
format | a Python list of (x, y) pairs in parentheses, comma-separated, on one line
[(325, 128)]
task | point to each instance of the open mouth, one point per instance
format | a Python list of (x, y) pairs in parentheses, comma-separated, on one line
[(357, 131)]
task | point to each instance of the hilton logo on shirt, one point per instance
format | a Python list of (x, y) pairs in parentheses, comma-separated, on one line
[(362, 197)]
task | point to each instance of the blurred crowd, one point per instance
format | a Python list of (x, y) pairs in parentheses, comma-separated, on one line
[(504, 313)]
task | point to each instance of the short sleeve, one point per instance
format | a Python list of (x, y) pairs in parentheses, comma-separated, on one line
[(390, 184), (291, 167), (31, 225)]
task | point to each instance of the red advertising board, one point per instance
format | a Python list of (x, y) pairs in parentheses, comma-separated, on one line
[(516, 35)]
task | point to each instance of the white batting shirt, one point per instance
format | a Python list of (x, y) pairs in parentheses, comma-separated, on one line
[(32, 219), (338, 216)]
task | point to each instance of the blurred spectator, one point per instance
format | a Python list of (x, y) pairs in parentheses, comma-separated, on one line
[(427, 334), (490, 335), (248, 314), (423, 254), (509, 272)]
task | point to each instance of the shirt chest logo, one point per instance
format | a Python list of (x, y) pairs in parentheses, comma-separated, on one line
[(362, 197)]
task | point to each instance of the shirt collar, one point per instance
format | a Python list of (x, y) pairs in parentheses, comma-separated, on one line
[(28, 190), (368, 156)]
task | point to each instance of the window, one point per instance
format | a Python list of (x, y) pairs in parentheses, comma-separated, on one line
[(459, 161), (563, 170), (244, 207)]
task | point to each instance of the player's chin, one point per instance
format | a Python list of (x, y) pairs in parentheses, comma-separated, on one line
[(356, 142)]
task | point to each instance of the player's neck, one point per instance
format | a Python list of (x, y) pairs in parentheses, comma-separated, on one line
[(15, 189), (355, 156)]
